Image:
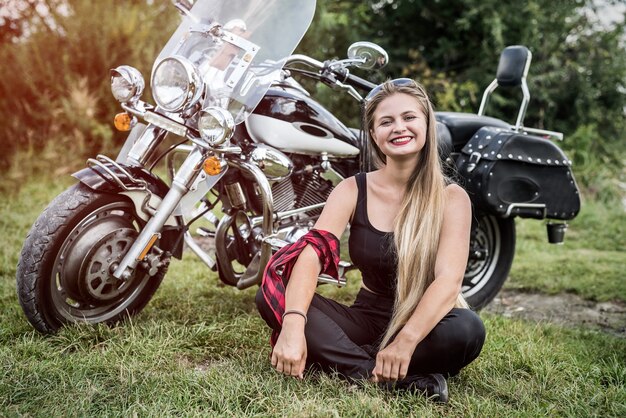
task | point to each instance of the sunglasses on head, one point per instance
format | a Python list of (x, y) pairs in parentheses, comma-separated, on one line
[(395, 82)]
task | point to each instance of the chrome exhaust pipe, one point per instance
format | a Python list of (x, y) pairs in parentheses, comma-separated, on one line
[(279, 216)]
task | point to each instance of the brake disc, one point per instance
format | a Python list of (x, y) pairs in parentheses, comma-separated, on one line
[(97, 282)]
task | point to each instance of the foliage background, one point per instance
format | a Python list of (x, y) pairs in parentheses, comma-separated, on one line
[(56, 105), (56, 54), (179, 357)]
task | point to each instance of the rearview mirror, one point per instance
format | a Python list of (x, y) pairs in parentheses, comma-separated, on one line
[(373, 55)]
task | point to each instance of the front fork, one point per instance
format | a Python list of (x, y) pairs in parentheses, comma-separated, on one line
[(181, 183)]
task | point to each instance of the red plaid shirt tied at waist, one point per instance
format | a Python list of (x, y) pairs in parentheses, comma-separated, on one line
[(279, 268)]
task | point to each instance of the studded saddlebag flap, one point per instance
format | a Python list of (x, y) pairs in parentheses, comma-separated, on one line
[(513, 174)]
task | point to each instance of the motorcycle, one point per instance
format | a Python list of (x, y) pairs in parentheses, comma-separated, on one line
[(259, 158)]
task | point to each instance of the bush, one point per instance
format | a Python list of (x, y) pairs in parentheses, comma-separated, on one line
[(55, 81)]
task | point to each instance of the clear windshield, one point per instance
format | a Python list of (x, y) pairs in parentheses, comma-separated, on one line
[(239, 47)]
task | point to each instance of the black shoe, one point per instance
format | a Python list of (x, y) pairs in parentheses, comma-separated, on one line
[(433, 386)]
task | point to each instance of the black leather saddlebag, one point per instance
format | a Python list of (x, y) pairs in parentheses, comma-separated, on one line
[(513, 174)]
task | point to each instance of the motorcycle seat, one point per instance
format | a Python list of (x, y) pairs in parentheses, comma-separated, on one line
[(463, 125), (444, 141)]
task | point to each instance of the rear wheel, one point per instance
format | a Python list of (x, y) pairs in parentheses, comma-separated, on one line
[(492, 248), (64, 271)]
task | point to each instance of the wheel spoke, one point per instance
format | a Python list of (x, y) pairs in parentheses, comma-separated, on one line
[(484, 256), (492, 250)]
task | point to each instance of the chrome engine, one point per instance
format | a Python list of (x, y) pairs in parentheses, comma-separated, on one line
[(300, 192), (310, 190)]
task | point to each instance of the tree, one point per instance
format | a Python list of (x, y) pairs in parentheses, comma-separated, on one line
[(577, 79), (336, 25), (54, 81)]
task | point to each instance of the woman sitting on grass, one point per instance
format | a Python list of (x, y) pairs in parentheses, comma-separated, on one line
[(409, 236)]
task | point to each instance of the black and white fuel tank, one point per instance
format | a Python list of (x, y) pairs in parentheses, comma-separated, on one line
[(288, 119)]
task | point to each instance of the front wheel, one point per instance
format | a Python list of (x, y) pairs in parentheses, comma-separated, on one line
[(492, 248), (64, 270)]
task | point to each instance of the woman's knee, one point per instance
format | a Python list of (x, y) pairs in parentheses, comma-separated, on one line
[(261, 303), (475, 328), (461, 331), (265, 309), (474, 325), (469, 335), (453, 344)]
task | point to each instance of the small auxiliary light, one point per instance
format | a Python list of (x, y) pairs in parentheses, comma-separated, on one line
[(123, 122), (212, 166)]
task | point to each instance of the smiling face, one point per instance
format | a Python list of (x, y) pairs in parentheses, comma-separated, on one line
[(399, 126)]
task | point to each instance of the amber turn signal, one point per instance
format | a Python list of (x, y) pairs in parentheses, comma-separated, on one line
[(123, 122), (212, 166)]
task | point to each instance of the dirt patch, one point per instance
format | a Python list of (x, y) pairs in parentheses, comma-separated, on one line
[(563, 309)]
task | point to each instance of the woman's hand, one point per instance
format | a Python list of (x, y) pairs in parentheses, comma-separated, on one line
[(289, 355), (392, 362)]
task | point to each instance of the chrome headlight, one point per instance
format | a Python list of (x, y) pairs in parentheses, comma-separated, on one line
[(127, 84), (176, 84), (216, 125)]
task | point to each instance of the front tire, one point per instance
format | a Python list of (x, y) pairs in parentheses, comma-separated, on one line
[(492, 248), (63, 274)]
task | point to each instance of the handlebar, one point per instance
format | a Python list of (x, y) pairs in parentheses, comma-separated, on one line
[(303, 59), (341, 74), (355, 81)]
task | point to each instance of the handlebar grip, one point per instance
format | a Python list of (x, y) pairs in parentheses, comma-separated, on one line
[(352, 80), (359, 82)]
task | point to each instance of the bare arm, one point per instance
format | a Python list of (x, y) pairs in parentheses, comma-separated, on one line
[(289, 355), (440, 297)]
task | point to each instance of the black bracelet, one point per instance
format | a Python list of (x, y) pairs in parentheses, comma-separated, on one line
[(295, 311)]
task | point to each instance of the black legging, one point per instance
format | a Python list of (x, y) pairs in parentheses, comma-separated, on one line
[(345, 339)]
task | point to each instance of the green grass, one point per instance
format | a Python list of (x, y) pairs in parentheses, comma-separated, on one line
[(200, 348), (590, 263)]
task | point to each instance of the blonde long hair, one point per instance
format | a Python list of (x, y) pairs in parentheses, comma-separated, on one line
[(418, 224)]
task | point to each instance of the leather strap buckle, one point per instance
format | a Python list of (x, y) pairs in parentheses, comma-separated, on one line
[(474, 158)]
